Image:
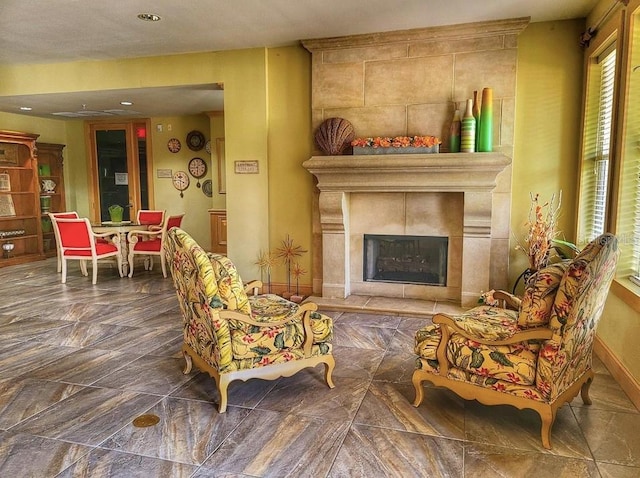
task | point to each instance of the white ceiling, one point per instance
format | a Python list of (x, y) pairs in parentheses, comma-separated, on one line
[(36, 31)]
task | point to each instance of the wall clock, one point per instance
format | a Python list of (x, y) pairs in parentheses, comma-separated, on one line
[(180, 181), (174, 145), (198, 169), (195, 140)]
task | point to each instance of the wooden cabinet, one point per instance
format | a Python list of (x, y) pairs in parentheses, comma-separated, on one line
[(20, 225), (52, 198), (218, 219)]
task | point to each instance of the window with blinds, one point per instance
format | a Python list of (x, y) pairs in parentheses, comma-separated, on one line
[(628, 219), (594, 185)]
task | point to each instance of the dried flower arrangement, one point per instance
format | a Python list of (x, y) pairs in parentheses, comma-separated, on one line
[(538, 242), (397, 142), (286, 253)]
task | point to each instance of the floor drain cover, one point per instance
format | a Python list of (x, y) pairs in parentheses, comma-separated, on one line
[(146, 420)]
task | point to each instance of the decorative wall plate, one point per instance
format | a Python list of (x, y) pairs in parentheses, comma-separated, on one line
[(174, 145), (207, 188), (207, 146), (195, 140)]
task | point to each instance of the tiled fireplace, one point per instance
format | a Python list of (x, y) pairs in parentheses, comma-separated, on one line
[(407, 195), (407, 83)]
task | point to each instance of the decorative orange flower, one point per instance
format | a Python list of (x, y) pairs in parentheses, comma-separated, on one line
[(397, 142)]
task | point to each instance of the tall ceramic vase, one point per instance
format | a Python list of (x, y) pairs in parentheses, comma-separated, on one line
[(468, 130), (454, 133), (485, 134), (476, 114)]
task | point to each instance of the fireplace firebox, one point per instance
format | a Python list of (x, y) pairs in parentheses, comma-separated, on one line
[(406, 259)]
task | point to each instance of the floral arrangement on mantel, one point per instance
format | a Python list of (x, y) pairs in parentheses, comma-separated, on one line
[(397, 142), (538, 242)]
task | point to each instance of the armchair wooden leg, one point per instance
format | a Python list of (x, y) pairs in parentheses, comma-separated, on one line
[(329, 365), (417, 384), (223, 383), (548, 417), (188, 363), (584, 391)]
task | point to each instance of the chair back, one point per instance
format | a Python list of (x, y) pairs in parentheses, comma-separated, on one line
[(60, 215), (174, 221), (75, 234), (150, 217), (198, 297), (577, 309), (230, 285)]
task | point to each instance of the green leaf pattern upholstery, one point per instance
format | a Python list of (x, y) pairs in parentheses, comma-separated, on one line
[(576, 311), (539, 294), (206, 284), (539, 369)]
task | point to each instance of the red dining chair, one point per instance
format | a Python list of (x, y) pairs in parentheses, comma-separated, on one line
[(56, 234), (79, 242), (152, 246), (149, 217)]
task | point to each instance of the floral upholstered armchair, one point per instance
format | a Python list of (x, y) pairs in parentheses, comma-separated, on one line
[(232, 336), (533, 352)]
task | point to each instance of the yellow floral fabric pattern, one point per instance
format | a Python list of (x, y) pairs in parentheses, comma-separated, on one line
[(537, 370), (198, 297), (488, 322), (233, 345), (576, 312), (230, 286), (539, 295)]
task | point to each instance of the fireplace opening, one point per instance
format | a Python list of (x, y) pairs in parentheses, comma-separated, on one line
[(406, 259)]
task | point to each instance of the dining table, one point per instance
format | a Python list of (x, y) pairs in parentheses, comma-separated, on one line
[(123, 228)]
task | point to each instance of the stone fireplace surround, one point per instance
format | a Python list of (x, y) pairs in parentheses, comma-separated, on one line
[(407, 83), (392, 188)]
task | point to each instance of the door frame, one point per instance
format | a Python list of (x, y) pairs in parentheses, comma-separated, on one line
[(133, 162)]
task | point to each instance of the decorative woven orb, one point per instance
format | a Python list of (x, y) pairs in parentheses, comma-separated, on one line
[(334, 135)]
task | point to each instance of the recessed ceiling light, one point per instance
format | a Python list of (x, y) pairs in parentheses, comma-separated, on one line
[(26, 108), (149, 17), (126, 103)]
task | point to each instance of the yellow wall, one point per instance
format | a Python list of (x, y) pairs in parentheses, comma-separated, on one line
[(244, 74), (290, 143), (194, 203), (547, 129)]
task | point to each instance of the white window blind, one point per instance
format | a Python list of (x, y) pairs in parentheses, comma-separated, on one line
[(597, 145), (628, 224)]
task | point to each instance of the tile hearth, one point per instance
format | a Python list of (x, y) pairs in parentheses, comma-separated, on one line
[(79, 362)]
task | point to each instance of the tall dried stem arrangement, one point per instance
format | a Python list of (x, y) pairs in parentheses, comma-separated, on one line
[(543, 219)]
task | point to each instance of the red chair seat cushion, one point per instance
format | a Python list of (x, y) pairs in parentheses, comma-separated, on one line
[(101, 249), (153, 245)]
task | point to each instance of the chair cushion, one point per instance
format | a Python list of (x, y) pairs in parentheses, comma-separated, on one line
[(101, 249), (539, 295), (512, 363), (230, 286), (491, 323), (261, 341), (152, 245), (269, 308)]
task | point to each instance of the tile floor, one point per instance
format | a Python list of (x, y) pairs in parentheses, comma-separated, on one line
[(79, 362)]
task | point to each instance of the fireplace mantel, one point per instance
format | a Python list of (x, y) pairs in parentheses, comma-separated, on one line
[(451, 172), (473, 174)]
